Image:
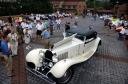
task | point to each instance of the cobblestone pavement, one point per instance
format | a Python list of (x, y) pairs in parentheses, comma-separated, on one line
[(109, 65), (19, 68), (3, 75)]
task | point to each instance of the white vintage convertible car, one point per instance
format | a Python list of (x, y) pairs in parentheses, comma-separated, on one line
[(55, 63)]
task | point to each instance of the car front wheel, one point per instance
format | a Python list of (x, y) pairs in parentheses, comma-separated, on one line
[(66, 77)]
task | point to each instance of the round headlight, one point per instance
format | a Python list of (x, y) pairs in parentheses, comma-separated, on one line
[(55, 59), (50, 64), (40, 60)]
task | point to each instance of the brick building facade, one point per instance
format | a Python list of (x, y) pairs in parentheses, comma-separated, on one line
[(121, 10), (69, 5)]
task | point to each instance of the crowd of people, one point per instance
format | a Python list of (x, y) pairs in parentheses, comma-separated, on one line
[(8, 43), (38, 26), (26, 28), (120, 25)]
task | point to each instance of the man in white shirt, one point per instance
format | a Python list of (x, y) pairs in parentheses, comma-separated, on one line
[(23, 24), (39, 29)]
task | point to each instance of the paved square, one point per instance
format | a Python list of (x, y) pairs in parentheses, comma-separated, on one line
[(109, 65)]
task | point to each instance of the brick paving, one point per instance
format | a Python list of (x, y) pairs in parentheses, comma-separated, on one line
[(114, 58), (19, 68), (109, 65), (19, 71), (126, 44), (3, 75), (114, 47), (100, 71)]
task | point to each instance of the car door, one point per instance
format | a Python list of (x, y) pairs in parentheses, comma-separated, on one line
[(89, 44)]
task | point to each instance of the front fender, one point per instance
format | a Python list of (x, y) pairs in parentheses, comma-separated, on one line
[(59, 69), (34, 57)]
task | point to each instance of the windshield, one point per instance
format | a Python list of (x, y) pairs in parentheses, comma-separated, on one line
[(81, 37)]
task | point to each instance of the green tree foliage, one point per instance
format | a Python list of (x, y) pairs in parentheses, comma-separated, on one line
[(25, 6), (37, 6), (90, 3), (114, 2), (98, 4)]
